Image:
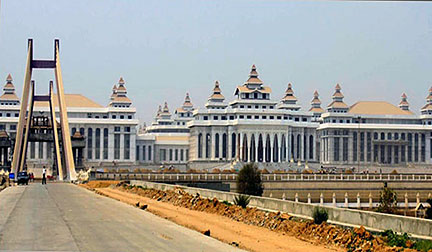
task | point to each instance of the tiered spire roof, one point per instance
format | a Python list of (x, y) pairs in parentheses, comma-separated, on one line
[(404, 105), (187, 102), (165, 108), (289, 95), (253, 85), (316, 104), (119, 95), (337, 105), (9, 95), (114, 92), (253, 77), (186, 107), (427, 108), (217, 94)]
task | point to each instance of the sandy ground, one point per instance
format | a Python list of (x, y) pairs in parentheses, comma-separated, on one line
[(248, 237)]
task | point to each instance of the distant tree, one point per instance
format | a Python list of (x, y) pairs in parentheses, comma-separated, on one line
[(249, 180), (388, 200)]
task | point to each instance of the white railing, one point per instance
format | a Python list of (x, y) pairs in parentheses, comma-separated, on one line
[(265, 177)]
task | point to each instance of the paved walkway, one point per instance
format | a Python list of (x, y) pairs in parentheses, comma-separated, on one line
[(64, 217)]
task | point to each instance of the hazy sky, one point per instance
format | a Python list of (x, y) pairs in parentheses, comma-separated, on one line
[(165, 48)]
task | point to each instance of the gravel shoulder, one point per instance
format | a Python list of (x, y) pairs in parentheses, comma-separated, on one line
[(249, 237)]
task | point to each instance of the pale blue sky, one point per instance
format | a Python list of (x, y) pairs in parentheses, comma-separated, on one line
[(165, 48)]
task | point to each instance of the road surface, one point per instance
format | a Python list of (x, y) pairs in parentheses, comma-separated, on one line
[(64, 217)]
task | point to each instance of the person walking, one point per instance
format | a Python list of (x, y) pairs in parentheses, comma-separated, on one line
[(44, 176)]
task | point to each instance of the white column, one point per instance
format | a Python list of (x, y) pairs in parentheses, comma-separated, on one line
[(249, 137), (213, 147), (256, 137)]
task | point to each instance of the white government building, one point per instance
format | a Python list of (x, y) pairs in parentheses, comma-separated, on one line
[(251, 128)]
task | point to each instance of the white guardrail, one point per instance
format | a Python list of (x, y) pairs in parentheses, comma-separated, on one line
[(265, 177)]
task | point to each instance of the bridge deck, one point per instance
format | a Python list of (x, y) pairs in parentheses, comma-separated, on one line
[(63, 217)]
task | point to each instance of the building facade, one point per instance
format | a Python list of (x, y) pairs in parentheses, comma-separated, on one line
[(256, 128), (109, 131)]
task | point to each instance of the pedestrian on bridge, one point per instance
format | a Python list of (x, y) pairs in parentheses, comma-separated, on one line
[(44, 176)]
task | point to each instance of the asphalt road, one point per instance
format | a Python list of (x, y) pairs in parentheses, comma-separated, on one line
[(64, 217)]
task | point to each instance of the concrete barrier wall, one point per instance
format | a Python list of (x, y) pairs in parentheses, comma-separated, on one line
[(370, 220)]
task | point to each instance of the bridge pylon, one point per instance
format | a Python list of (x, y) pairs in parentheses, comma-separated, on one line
[(28, 124)]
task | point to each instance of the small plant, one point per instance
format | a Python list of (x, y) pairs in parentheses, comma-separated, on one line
[(242, 200), (388, 200), (395, 240), (320, 215), (142, 187), (227, 203)]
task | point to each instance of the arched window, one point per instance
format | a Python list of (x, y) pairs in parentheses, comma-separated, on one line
[(268, 151), (199, 145), (224, 145), (292, 146), (97, 143), (73, 131), (382, 136), (275, 149), (304, 147), (260, 149), (89, 143), (311, 147), (82, 131), (376, 136), (208, 145), (389, 136), (355, 146), (283, 148), (105, 144), (233, 145), (217, 145), (409, 147)]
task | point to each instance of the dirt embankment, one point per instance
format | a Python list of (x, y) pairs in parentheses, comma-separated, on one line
[(249, 228)]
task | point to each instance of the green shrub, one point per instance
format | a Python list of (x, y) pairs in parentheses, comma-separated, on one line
[(423, 245), (242, 200), (320, 215), (395, 240), (249, 180)]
